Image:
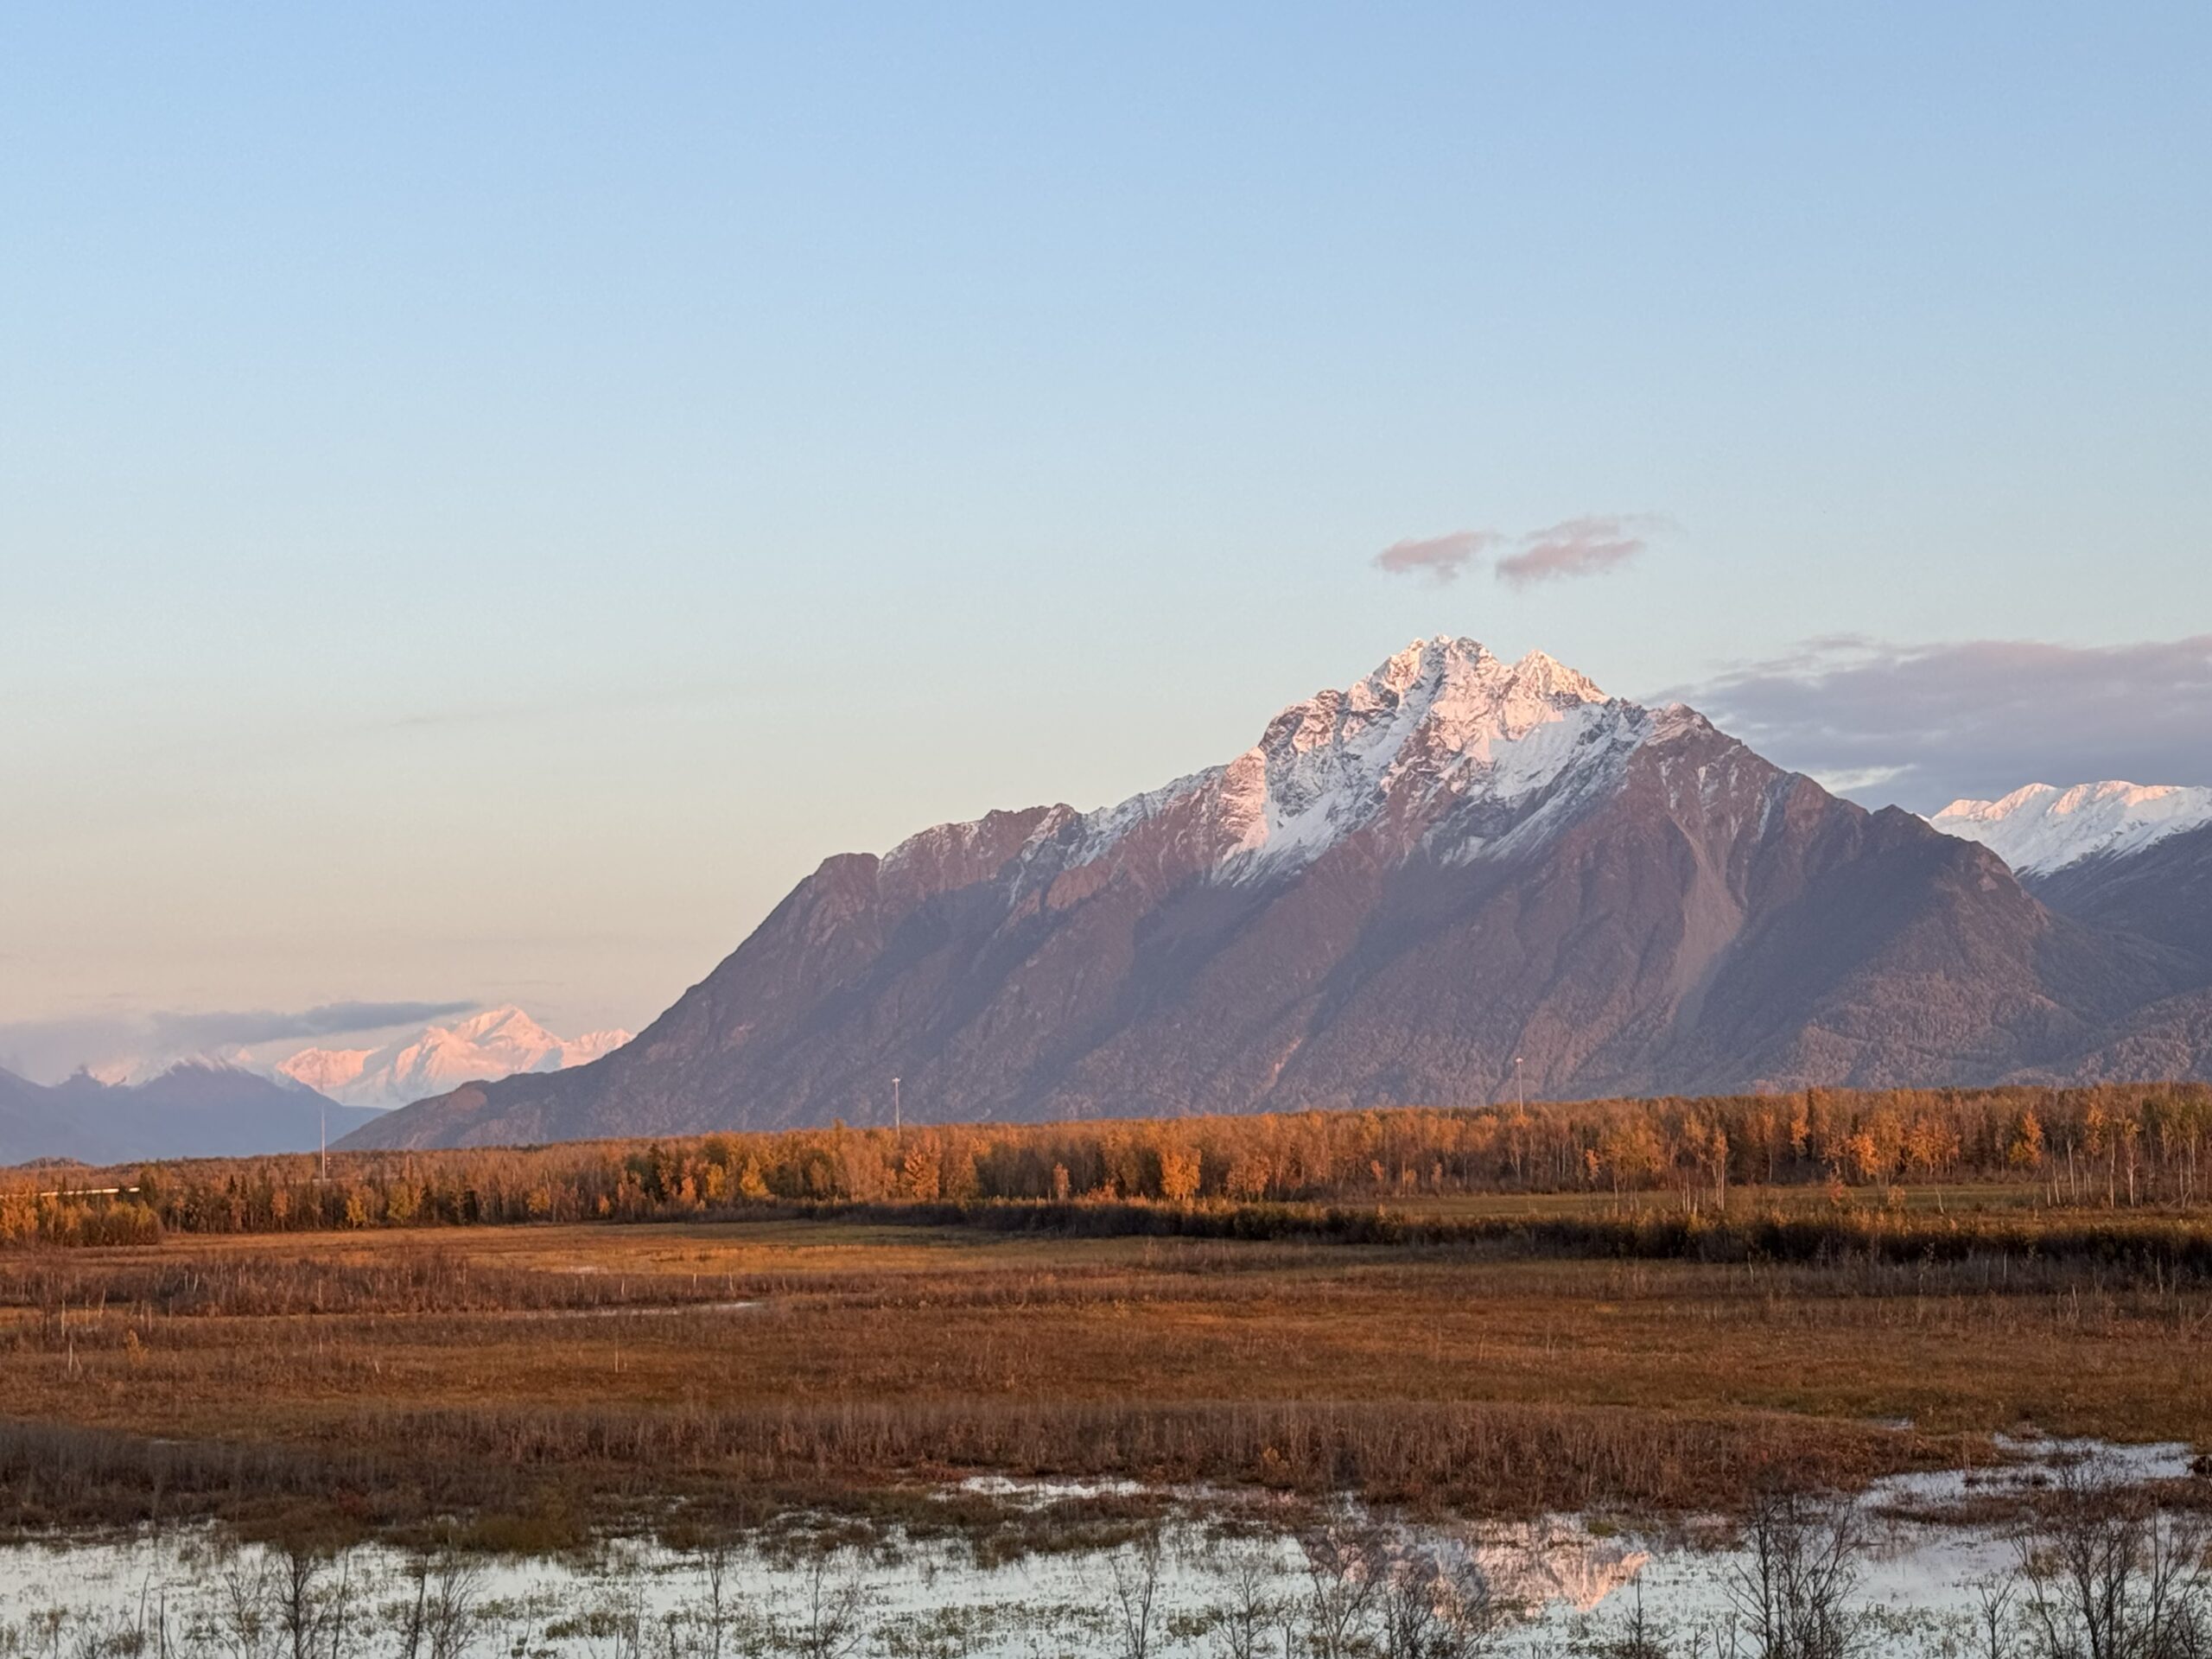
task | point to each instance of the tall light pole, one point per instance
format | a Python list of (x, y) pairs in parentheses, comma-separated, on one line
[(1520, 1093), (898, 1122)]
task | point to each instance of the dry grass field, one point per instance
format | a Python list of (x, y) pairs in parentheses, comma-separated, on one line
[(541, 1381)]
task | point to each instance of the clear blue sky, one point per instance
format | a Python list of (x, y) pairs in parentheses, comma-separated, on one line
[(489, 496)]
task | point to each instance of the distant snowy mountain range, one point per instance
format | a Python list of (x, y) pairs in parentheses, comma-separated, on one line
[(499, 1042), (233, 1103), (2125, 856), (2041, 829)]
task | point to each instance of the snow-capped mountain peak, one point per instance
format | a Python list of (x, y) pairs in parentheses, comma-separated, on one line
[(506, 1027), (132, 1073), (495, 1043), (2042, 828), (1443, 722), (1445, 745)]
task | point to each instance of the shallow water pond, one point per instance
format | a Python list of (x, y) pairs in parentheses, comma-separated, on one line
[(1914, 1583)]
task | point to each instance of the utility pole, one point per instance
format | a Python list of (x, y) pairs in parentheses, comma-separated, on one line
[(322, 1114), (1520, 1091), (898, 1123)]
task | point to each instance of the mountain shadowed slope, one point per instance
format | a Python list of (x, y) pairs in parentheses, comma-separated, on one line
[(192, 1111), (1402, 886), (2164, 892), (2126, 858), (22, 1106)]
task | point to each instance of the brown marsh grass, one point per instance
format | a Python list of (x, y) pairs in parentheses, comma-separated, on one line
[(383, 1379)]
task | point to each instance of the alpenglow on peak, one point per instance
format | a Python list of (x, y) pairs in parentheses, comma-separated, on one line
[(2040, 829), (1444, 726), (1444, 745)]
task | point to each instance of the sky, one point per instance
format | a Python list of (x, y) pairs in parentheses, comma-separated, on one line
[(490, 496)]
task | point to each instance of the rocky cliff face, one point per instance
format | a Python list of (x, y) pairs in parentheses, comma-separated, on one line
[(1401, 887)]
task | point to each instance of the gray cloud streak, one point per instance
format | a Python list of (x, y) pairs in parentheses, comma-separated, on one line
[(1922, 725)]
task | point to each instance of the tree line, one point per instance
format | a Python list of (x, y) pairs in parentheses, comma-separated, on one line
[(2111, 1146)]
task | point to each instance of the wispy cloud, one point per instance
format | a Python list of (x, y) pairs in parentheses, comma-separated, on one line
[(1439, 557), (1922, 725), (46, 1050), (1587, 546)]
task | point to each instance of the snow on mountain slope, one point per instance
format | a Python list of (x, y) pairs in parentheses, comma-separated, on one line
[(1443, 745), (2041, 829), (1444, 724), (143, 1068), (497, 1042)]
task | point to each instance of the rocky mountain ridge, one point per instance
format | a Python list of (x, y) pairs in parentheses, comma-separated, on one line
[(1404, 885)]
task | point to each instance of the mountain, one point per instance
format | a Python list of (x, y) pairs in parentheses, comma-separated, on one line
[(497, 1042), (2126, 857), (2121, 856), (193, 1109), (22, 1108), (2040, 831), (1401, 887)]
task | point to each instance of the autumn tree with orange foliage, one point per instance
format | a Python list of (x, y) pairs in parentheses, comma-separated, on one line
[(2109, 1145)]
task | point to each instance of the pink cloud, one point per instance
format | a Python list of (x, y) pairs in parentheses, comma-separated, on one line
[(1588, 546), (1441, 558)]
